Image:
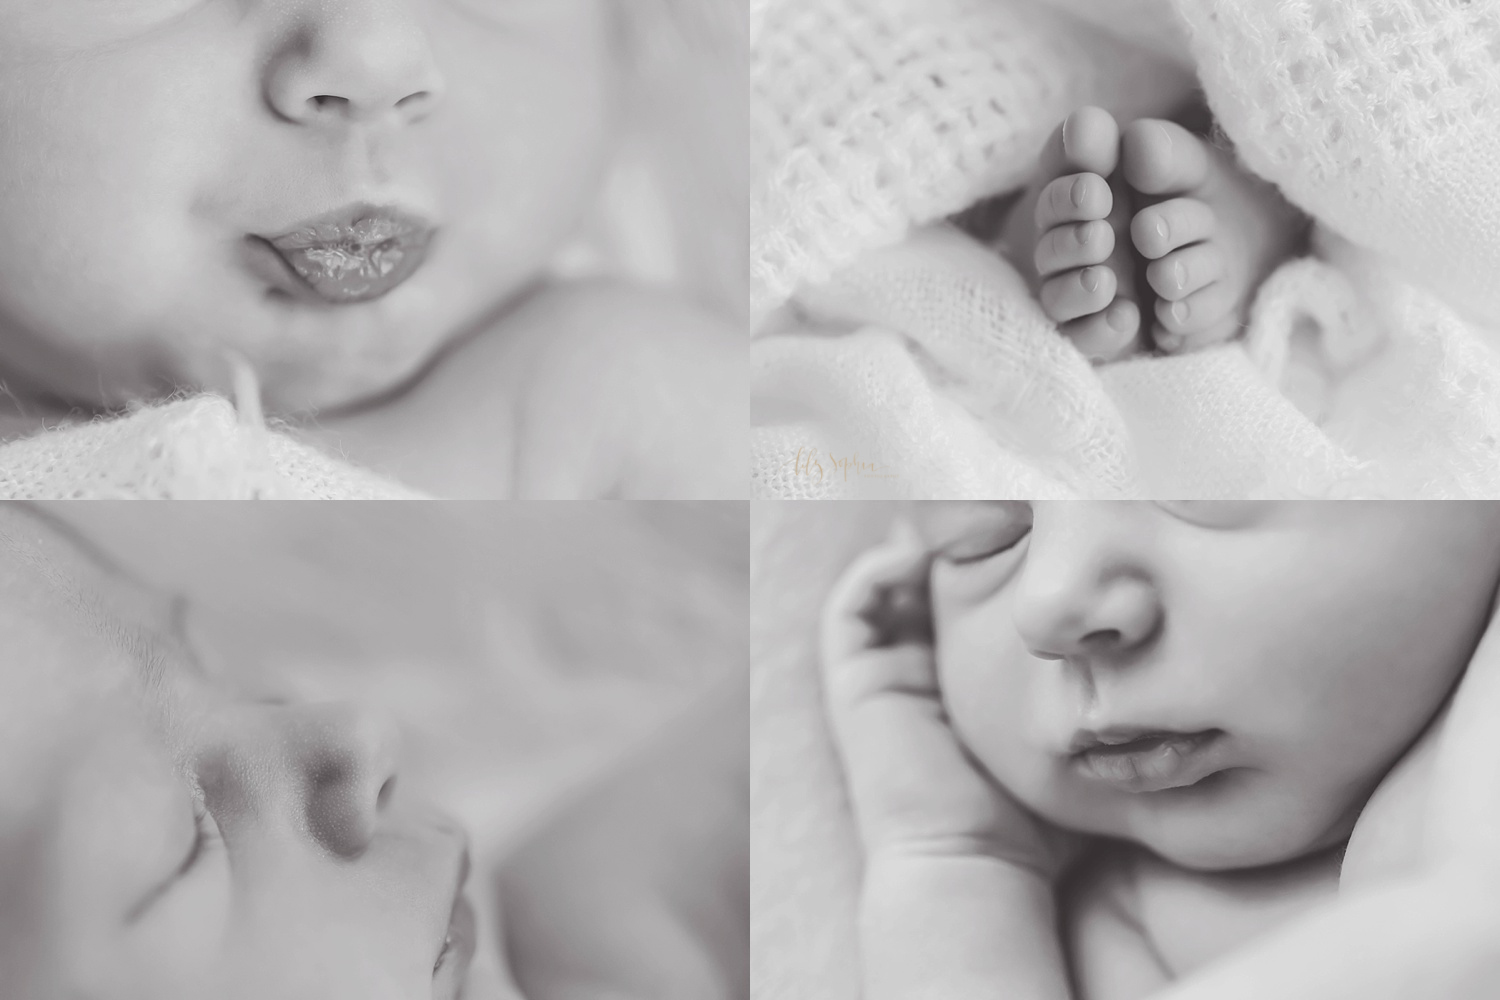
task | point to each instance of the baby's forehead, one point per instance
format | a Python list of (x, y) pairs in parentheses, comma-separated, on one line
[(77, 636)]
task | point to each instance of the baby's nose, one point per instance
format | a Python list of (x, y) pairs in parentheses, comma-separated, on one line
[(1084, 593), (352, 61), (347, 757)]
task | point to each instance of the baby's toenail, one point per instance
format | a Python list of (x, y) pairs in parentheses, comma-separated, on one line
[(1179, 274), (1161, 228), (1080, 191), (1089, 278), (1118, 316), (1180, 311)]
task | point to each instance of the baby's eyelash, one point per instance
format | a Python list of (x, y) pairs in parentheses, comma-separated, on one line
[(206, 836), (203, 835), (988, 552)]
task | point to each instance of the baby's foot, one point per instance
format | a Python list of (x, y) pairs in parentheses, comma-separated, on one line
[(1071, 229), (1211, 232)]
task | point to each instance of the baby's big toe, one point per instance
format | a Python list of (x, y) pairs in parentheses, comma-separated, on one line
[(1090, 141), (1161, 157)]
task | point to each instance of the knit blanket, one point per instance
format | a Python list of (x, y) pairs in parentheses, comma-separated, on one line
[(893, 355), (197, 448)]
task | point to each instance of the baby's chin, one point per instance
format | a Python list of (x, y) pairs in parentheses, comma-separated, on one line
[(1266, 837)]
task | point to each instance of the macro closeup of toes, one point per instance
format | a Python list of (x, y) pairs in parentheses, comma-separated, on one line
[(1162, 157), (1159, 229), (1106, 335), (1074, 198), (1185, 271), (1196, 311), (1078, 293), (1074, 245)]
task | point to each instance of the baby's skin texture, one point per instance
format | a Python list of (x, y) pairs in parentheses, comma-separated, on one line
[(156, 151), (167, 833), (165, 837), (1313, 642), (1146, 236)]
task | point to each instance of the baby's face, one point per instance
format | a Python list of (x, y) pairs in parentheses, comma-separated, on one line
[(331, 188), (1224, 683), (163, 840)]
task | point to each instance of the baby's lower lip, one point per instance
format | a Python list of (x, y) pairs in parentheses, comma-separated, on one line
[(1152, 762), (350, 255)]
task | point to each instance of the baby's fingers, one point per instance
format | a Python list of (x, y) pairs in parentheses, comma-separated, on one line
[(910, 783), (880, 601)]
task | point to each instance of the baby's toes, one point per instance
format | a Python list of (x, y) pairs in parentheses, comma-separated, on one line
[(1073, 198), (1182, 272), (1076, 244), (1090, 141), (1204, 317), (1108, 335), (1077, 293), (1162, 157), (1159, 229)]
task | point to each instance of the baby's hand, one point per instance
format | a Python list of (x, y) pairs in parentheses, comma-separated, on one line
[(914, 790), (957, 900)]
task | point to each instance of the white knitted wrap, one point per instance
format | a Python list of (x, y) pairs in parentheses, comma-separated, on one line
[(894, 359), (192, 449)]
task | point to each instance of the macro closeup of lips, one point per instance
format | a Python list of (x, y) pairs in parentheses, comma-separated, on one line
[(451, 965), (1146, 761), (352, 254)]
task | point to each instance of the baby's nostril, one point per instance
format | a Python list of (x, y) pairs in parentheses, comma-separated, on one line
[(1104, 638), (384, 795), (327, 102)]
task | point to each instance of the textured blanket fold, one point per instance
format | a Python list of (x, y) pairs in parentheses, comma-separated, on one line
[(897, 359), (192, 449)]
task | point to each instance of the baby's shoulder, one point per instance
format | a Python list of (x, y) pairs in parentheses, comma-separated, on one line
[(651, 383), (583, 389), (620, 336)]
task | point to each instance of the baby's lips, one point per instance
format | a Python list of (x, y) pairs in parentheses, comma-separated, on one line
[(355, 254)]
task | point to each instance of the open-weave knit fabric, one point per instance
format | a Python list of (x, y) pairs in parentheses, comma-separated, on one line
[(191, 449), (900, 360)]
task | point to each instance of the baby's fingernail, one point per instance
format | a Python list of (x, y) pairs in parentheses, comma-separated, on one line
[(1079, 191), (1089, 278), (1180, 311)]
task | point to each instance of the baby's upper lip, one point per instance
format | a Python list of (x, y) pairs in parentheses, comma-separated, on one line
[(1112, 737), (354, 253), (1147, 759)]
